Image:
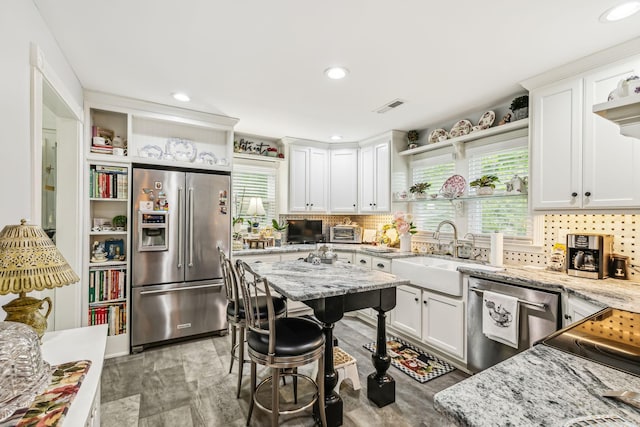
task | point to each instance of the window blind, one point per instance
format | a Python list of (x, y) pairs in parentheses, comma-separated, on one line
[(428, 213), (509, 215), (254, 182)]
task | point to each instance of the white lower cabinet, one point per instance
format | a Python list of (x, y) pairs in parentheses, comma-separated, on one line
[(434, 319), (345, 257), (576, 309), (406, 315), (443, 323), (373, 263)]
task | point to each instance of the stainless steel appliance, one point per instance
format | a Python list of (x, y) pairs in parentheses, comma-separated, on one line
[(611, 337), (538, 317), (588, 255), (345, 234), (179, 219)]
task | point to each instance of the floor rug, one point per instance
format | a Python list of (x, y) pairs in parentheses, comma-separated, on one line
[(419, 365)]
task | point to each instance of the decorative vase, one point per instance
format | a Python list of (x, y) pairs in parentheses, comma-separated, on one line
[(420, 195), (405, 242)]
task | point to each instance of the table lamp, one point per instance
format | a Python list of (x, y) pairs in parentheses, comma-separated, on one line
[(30, 261), (255, 209)]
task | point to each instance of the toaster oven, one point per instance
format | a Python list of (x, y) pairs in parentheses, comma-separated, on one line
[(345, 234)]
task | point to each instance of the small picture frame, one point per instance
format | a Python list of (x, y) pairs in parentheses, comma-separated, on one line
[(115, 249)]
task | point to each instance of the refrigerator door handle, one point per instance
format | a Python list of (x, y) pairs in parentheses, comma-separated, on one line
[(190, 226), (188, 288), (180, 240)]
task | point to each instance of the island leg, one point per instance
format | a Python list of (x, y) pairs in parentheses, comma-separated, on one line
[(333, 405), (381, 387)]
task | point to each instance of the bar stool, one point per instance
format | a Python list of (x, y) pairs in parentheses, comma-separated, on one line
[(236, 315), (282, 344)]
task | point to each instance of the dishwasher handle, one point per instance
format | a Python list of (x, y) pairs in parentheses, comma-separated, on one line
[(539, 305)]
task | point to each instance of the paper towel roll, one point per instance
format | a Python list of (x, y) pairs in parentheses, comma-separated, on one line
[(495, 257)]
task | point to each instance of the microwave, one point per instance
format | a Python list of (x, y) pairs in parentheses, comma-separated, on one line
[(345, 234)]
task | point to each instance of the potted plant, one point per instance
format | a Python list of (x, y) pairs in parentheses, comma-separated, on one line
[(520, 107), (485, 184), (413, 137), (237, 224), (119, 222), (279, 227), (419, 189)]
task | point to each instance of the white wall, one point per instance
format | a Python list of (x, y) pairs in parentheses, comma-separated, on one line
[(21, 25)]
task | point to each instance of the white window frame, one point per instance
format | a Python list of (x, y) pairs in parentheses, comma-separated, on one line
[(262, 167)]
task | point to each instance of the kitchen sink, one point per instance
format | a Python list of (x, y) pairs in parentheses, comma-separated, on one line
[(436, 274)]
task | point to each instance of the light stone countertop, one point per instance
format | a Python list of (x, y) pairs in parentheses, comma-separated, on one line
[(341, 247), (324, 280), (542, 386)]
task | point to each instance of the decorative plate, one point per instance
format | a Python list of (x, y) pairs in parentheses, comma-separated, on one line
[(207, 158), (437, 135), (152, 151), (182, 149), (487, 119), (223, 161), (453, 187), (462, 127)]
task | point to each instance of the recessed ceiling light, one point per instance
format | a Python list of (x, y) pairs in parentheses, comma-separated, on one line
[(621, 11), (336, 73), (181, 97), (336, 138)]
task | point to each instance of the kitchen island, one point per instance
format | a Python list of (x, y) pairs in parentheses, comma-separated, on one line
[(539, 387)]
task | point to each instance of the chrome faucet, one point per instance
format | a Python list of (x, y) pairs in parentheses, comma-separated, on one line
[(436, 235)]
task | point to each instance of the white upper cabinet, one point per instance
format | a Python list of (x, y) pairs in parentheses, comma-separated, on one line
[(375, 177), (344, 180), (579, 160), (308, 175)]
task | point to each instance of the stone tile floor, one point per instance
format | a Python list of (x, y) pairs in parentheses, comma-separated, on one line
[(188, 384)]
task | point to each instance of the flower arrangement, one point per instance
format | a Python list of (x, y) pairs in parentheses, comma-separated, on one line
[(400, 224)]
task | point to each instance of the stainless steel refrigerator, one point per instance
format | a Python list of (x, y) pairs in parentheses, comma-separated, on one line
[(179, 219)]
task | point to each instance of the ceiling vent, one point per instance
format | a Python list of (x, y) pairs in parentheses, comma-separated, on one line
[(390, 105)]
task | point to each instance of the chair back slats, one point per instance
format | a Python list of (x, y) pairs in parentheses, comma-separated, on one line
[(230, 278), (254, 289)]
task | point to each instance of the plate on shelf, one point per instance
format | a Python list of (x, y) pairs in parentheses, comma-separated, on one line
[(182, 150), (150, 151), (207, 158), (462, 127), (453, 187), (487, 120), (438, 135)]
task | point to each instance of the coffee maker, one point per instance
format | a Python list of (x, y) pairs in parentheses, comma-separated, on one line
[(589, 255)]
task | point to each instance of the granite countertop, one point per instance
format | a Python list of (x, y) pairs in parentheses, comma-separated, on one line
[(542, 386), (324, 280), (341, 247), (622, 294)]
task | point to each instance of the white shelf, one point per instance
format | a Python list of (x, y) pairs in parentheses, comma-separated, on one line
[(257, 157), (104, 199), (461, 198), (107, 302), (624, 111), (107, 233), (175, 163), (496, 130), (108, 264)]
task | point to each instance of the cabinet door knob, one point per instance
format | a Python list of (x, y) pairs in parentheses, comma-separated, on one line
[(424, 302), (568, 317), (311, 204), (574, 194), (380, 265), (354, 205), (417, 299), (587, 194), (374, 204), (363, 261)]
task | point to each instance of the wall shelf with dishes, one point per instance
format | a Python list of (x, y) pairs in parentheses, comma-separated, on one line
[(440, 197), (473, 135), (624, 111)]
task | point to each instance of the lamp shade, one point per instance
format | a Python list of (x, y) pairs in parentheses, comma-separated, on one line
[(255, 207), (30, 261)]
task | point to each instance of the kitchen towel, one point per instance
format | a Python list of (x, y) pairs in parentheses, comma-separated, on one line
[(495, 255), (500, 318)]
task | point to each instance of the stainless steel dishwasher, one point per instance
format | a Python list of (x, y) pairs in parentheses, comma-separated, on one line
[(538, 317)]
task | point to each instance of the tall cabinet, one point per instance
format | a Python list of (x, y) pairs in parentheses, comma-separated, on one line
[(343, 191), (309, 170), (139, 132), (375, 176)]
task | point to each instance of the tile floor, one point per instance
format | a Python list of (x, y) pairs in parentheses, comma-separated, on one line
[(188, 384)]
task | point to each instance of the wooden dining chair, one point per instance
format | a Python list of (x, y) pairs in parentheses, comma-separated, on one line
[(281, 344), (236, 315)]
